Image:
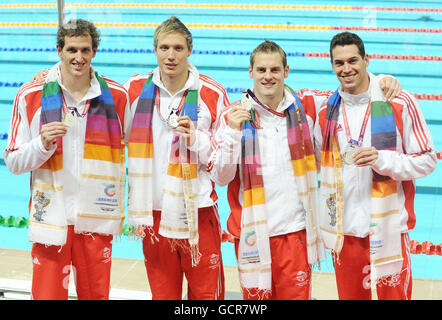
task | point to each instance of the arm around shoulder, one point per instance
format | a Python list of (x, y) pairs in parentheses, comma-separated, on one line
[(418, 157)]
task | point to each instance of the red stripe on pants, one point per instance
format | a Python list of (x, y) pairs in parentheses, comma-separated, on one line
[(353, 272), (90, 257)]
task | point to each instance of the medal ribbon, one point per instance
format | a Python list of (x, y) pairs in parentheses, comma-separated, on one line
[(180, 105), (351, 141), (66, 109), (279, 114)]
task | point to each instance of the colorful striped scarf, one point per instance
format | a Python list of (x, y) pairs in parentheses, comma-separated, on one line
[(254, 257), (179, 214), (385, 244), (102, 185)]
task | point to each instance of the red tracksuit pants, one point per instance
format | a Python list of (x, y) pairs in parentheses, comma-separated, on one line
[(291, 273), (166, 266), (89, 256), (353, 272)]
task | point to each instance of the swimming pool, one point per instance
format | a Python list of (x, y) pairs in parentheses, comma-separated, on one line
[(224, 35)]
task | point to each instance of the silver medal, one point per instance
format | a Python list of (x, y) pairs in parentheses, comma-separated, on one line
[(172, 120), (347, 157), (246, 103), (68, 119)]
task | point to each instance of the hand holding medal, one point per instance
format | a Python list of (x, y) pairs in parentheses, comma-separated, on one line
[(353, 153), (247, 105), (184, 128), (69, 113), (50, 132), (360, 157), (172, 120), (365, 156), (347, 156), (68, 119), (239, 113)]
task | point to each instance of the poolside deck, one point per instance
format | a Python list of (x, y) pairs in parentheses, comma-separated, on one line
[(129, 280)]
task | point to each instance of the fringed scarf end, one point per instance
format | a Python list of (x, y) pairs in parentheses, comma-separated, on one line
[(136, 233), (195, 254), (256, 294), (193, 249), (336, 259), (153, 237)]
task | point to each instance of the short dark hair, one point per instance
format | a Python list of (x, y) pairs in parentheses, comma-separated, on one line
[(347, 38), (76, 28), (268, 47)]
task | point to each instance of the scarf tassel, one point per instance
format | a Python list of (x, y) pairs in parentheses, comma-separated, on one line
[(256, 294), (153, 236), (195, 254), (184, 244), (392, 280), (138, 232)]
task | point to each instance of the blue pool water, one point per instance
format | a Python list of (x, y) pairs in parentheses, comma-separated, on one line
[(223, 54)]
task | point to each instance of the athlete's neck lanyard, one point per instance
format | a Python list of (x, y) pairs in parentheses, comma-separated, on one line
[(279, 114), (351, 141), (67, 109), (177, 110)]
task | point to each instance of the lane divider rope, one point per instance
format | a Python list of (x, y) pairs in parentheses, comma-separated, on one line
[(426, 247), (232, 26), (218, 6), (243, 53)]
